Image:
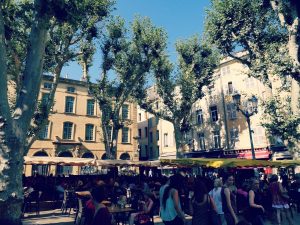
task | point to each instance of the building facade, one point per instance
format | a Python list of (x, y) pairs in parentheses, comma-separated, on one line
[(156, 137), (218, 129), (74, 127)]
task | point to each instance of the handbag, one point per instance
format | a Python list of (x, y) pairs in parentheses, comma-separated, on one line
[(212, 214)]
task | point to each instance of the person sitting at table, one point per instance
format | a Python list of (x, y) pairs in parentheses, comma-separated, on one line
[(101, 216), (143, 216)]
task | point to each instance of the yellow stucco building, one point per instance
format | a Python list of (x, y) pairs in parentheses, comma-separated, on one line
[(74, 128)]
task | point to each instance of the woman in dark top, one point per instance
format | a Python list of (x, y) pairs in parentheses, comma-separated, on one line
[(102, 216), (200, 204), (228, 195), (255, 202)]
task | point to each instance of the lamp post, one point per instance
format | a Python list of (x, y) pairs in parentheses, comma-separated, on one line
[(248, 111)]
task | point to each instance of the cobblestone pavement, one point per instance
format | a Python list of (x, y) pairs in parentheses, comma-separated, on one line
[(55, 217)]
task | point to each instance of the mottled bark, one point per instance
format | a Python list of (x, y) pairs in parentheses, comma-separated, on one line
[(14, 131), (179, 140), (11, 191)]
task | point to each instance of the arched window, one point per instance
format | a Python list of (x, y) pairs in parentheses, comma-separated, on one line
[(64, 170), (104, 156), (88, 169), (125, 156), (40, 169), (88, 155)]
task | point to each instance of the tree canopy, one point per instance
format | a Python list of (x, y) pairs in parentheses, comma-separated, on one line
[(128, 57), (178, 90)]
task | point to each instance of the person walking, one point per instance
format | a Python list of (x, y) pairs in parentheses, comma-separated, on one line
[(279, 201), (228, 194), (170, 207), (256, 209), (201, 205), (215, 194)]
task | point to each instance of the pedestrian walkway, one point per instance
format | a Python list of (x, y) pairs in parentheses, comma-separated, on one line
[(55, 217)]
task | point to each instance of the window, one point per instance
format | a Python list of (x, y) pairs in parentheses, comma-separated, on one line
[(259, 137), (217, 139), (199, 115), (125, 112), (201, 138), (71, 89), (45, 132), (234, 135), (157, 135), (140, 117), (230, 88), (47, 85), (151, 137), (90, 107), (45, 98), (214, 113), (89, 132), (146, 132), (125, 135), (69, 106), (140, 133), (67, 131), (157, 154), (231, 111), (166, 139)]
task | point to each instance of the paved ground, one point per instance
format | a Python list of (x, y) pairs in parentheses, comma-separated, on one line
[(55, 217)]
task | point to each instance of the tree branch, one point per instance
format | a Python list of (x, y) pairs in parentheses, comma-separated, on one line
[(26, 101)]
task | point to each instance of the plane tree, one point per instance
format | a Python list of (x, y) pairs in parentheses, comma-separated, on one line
[(30, 32), (127, 57), (178, 88)]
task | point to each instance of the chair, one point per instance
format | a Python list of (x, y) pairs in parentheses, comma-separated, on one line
[(33, 200)]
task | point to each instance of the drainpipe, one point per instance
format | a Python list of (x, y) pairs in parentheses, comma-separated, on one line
[(225, 113)]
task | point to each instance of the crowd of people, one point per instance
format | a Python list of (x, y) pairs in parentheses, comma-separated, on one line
[(211, 200)]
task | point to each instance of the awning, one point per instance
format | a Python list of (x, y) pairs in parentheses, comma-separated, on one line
[(63, 161), (69, 161)]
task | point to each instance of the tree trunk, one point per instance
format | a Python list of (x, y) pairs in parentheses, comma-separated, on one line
[(179, 140), (11, 189), (114, 142)]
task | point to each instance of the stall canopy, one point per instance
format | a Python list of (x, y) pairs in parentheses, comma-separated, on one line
[(186, 162), (68, 161), (220, 163)]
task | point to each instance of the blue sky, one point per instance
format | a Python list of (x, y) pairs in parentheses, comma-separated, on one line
[(180, 18)]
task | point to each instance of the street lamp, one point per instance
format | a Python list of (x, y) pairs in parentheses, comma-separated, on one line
[(248, 111)]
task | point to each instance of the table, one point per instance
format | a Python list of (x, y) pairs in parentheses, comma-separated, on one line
[(120, 214)]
